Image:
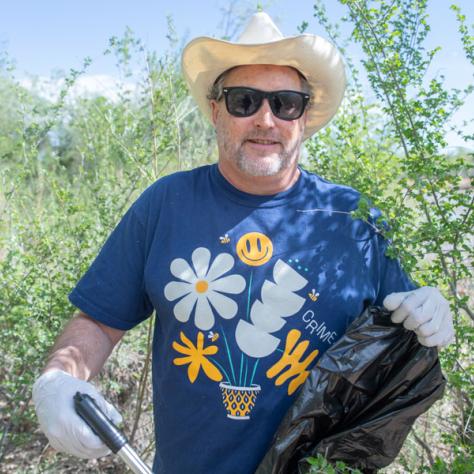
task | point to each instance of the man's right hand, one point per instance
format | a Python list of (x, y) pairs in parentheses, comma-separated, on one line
[(53, 394)]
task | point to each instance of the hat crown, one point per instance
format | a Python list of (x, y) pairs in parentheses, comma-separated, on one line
[(260, 29)]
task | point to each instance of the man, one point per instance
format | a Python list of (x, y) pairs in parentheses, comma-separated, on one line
[(254, 267)]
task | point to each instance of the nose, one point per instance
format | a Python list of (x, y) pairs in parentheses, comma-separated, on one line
[(264, 117)]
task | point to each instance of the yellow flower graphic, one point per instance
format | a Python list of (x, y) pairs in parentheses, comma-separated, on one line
[(195, 356)]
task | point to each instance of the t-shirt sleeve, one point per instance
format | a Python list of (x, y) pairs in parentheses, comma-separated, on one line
[(390, 275), (112, 291), (393, 278)]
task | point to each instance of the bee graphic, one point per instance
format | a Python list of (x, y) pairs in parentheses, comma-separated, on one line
[(213, 336), (225, 239), (313, 296)]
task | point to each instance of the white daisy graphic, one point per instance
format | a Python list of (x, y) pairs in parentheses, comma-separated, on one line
[(202, 286)]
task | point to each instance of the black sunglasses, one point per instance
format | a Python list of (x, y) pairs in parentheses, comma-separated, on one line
[(245, 101)]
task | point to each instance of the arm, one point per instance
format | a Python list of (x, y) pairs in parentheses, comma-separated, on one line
[(83, 347), (78, 355)]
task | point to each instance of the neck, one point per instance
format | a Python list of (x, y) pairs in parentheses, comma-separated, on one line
[(261, 185)]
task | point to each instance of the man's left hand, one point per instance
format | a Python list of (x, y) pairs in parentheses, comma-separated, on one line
[(424, 311)]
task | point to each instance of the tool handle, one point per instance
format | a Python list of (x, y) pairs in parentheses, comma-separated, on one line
[(89, 411)]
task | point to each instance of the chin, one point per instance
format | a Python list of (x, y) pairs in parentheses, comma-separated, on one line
[(262, 166)]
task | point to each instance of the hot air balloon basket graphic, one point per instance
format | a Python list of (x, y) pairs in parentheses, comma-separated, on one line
[(239, 401)]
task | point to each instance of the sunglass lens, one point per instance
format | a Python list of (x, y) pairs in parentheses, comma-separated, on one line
[(243, 102), (287, 105)]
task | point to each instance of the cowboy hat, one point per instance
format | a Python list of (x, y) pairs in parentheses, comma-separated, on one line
[(204, 59)]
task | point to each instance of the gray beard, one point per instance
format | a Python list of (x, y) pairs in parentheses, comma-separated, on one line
[(259, 167), (267, 166)]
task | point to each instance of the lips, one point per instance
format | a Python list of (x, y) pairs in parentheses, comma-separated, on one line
[(263, 142)]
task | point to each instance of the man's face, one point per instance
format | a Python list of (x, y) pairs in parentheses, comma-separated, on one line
[(262, 144)]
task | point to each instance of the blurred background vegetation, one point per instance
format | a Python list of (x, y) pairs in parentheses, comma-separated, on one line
[(70, 165)]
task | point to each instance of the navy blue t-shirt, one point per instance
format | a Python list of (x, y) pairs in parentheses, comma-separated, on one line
[(249, 291)]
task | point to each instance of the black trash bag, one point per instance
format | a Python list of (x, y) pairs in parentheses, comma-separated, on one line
[(360, 400)]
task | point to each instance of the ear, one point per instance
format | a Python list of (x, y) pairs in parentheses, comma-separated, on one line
[(214, 111)]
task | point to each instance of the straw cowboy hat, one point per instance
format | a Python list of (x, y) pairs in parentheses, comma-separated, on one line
[(205, 58)]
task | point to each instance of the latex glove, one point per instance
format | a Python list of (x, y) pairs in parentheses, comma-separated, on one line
[(53, 394), (425, 311)]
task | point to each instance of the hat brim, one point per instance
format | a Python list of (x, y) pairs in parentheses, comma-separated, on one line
[(205, 58)]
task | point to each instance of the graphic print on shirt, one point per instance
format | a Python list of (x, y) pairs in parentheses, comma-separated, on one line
[(207, 287), (203, 286)]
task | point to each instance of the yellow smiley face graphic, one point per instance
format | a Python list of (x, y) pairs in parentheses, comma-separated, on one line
[(254, 249)]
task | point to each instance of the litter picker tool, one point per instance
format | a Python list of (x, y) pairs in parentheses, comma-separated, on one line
[(116, 441)]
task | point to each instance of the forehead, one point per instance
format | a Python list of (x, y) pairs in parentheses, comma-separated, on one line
[(264, 76)]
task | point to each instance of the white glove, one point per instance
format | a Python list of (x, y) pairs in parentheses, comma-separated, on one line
[(424, 311), (53, 394)]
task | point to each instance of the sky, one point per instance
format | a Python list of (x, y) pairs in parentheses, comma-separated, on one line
[(43, 37)]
